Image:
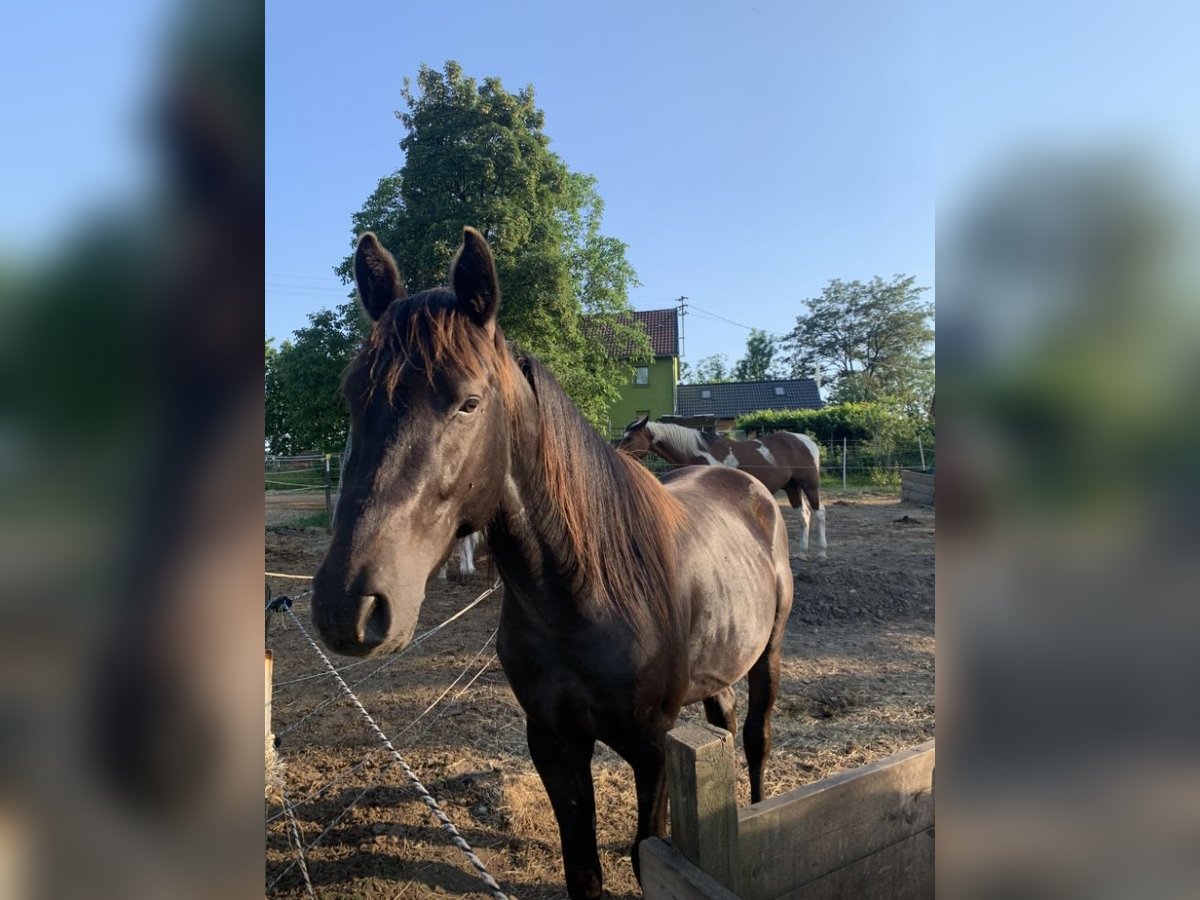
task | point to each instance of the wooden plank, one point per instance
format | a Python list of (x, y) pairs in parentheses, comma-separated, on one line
[(268, 666), (701, 774), (917, 494), (798, 837), (667, 875), (923, 479), (902, 871)]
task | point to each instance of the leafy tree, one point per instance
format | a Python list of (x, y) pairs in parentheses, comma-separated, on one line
[(756, 365), (304, 408), (872, 341), (476, 154), (710, 370)]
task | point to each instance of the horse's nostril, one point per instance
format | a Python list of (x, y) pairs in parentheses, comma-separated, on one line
[(374, 620)]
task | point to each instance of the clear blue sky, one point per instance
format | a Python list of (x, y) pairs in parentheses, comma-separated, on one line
[(746, 153)]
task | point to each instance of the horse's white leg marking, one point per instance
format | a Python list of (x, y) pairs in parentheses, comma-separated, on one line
[(731, 460), (466, 558), (766, 454), (805, 514), (820, 516)]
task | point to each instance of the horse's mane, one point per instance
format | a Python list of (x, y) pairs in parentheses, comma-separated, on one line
[(427, 333), (688, 442), (606, 512)]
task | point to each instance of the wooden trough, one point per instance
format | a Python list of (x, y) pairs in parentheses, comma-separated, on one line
[(916, 487), (866, 833)]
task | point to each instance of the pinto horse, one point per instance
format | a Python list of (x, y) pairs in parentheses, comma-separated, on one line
[(781, 460), (625, 598)]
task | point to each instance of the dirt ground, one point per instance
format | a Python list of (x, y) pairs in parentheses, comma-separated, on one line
[(858, 681)]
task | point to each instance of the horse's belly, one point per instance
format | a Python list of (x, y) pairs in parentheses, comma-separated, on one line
[(726, 640)]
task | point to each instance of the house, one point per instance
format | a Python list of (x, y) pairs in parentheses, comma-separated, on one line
[(651, 388), (726, 401)]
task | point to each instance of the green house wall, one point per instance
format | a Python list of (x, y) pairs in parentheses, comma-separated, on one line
[(657, 397)]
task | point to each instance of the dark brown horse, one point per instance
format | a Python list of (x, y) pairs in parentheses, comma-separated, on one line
[(784, 460), (624, 598)]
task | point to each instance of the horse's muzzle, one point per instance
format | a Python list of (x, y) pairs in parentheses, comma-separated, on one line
[(362, 626)]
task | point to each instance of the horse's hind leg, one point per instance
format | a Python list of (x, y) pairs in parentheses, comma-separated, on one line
[(565, 767), (812, 493), (756, 733), (721, 709), (796, 499)]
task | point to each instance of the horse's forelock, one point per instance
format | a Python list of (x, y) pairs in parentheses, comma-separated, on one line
[(432, 333)]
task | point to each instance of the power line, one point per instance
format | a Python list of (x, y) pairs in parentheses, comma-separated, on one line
[(712, 316), (301, 277)]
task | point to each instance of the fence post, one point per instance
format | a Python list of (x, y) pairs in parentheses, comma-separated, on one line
[(843, 462), (701, 774), (328, 497), (268, 666), (921, 447)]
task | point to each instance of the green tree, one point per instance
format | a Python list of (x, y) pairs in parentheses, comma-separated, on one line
[(304, 407), (869, 341), (756, 365), (476, 154), (710, 370)]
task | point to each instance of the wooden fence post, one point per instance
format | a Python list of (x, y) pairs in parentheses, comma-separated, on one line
[(704, 819), (270, 662), (843, 463), (328, 497), (273, 789)]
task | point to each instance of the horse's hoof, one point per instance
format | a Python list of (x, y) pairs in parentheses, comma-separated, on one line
[(585, 886), (822, 556)]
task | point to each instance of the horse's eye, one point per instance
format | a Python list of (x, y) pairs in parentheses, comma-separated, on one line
[(469, 405)]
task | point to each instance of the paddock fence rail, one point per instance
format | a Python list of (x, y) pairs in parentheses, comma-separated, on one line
[(865, 833)]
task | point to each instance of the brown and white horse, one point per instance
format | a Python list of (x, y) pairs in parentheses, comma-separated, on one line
[(625, 598), (782, 461)]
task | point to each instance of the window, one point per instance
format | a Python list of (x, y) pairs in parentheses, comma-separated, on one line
[(778, 392), (705, 394), (641, 375)]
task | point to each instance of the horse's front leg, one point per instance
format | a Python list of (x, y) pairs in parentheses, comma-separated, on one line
[(647, 755), (565, 767)]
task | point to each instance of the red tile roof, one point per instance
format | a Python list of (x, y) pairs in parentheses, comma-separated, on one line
[(661, 325)]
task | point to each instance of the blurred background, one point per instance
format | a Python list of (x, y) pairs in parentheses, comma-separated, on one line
[(130, 418), (1069, 337), (131, 439)]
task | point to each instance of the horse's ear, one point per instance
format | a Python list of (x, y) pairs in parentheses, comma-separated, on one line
[(473, 278), (637, 423), (377, 277)]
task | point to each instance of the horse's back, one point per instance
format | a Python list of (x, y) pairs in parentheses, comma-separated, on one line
[(710, 493), (735, 564)]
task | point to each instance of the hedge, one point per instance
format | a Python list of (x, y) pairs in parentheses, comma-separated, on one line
[(880, 438)]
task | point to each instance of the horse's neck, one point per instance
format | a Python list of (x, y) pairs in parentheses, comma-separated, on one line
[(525, 532)]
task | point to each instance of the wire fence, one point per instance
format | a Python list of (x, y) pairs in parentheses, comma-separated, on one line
[(876, 463), (434, 711), (310, 473), (873, 463)]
